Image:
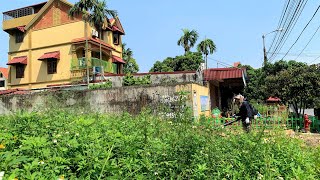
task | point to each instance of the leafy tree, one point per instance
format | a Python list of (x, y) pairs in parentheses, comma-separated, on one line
[(131, 65), (189, 62), (188, 39), (296, 83), (207, 47), (299, 86)]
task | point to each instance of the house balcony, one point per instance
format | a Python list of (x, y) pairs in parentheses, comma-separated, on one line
[(20, 17), (95, 65)]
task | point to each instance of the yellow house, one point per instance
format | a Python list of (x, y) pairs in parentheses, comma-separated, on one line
[(47, 47)]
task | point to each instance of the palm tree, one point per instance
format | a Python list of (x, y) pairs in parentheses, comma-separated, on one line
[(207, 47), (84, 7), (188, 39), (99, 16), (126, 52)]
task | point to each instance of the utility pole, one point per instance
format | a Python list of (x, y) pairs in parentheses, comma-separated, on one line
[(265, 59)]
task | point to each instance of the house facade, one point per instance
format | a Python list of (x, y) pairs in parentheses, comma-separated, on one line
[(3, 78), (47, 47)]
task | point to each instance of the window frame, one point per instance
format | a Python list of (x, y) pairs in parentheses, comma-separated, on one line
[(20, 68), (4, 83), (19, 36), (117, 40), (52, 66)]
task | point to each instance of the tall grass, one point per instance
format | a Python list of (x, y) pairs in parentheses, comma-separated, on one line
[(69, 145)]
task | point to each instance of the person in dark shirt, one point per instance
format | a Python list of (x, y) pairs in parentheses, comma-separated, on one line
[(245, 113)]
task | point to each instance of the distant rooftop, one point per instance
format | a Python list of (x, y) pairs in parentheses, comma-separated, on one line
[(24, 11)]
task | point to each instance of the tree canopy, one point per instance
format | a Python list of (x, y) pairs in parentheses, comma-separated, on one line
[(189, 62), (131, 65), (188, 39), (295, 83)]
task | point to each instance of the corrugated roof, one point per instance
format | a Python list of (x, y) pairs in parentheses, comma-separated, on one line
[(18, 60), (222, 73), (273, 99), (50, 55), (4, 72), (117, 59)]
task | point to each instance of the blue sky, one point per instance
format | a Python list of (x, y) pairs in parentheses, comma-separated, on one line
[(153, 28)]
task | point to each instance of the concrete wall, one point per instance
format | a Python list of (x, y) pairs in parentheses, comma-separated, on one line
[(163, 78), (115, 100)]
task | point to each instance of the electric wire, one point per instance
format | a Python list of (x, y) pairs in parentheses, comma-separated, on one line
[(296, 15), (302, 32)]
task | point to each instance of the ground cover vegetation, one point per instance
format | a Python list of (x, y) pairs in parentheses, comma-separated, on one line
[(69, 145)]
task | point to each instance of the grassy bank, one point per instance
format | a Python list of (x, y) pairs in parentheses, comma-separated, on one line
[(65, 145)]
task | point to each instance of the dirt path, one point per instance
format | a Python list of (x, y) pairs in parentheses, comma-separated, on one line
[(311, 139)]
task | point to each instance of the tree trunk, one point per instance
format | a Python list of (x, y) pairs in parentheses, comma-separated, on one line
[(86, 51), (295, 107), (206, 61)]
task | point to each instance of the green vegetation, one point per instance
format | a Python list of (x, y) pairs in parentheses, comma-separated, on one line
[(188, 39), (129, 80), (104, 85), (207, 47), (131, 65), (295, 83), (189, 62), (53, 144)]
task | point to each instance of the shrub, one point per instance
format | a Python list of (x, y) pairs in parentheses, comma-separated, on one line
[(129, 80), (104, 85), (58, 143)]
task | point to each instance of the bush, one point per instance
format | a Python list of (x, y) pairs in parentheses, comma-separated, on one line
[(129, 80), (104, 85), (53, 144)]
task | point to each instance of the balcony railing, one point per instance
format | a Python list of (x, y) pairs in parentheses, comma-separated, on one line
[(80, 63)]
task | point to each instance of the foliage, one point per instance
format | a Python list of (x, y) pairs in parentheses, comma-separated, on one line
[(61, 144), (189, 62), (131, 65), (188, 39), (298, 86), (295, 83), (129, 80), (206, 47), (104, 85)]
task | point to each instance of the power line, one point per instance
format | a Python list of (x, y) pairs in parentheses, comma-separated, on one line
[(294, 19), (289, 27), (295, 54), (284, 26), (302, 32), (284, 11), (315, 60), (308, 42)]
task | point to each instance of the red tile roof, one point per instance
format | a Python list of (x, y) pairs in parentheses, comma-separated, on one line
[(96, 40), (13, 91), (21, 28), (115, 28), (18, 60), (50, 55), (117, 59), (4, 72), (273, 99), (222, 73)]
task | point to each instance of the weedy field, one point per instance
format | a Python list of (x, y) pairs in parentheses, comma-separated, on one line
[(68, 145)]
